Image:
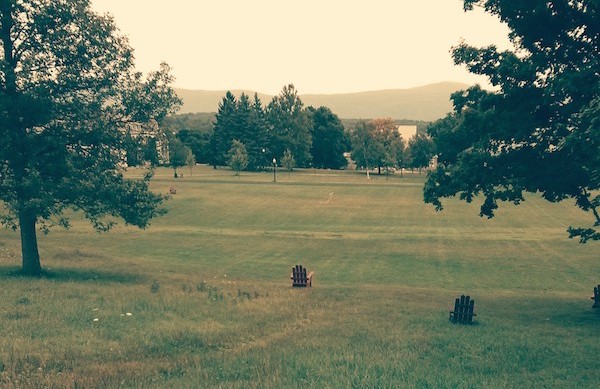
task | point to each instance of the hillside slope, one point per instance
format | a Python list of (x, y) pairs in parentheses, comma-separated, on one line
[(429, 102)]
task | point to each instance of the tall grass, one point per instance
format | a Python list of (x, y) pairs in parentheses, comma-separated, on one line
[(203, 298)]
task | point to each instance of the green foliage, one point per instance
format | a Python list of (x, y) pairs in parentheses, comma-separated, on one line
[(68, 88), (198, 142), (190, 161), (538, 131), (179, 154), (238, 156), (195, 130), (420, 151), (329, 140), (288, 161), (244, 121), (155, 286), (377, 144), (202, 122), (290, 126), (365, 150)]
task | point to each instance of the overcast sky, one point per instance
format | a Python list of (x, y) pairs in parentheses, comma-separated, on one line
[(320, 46)]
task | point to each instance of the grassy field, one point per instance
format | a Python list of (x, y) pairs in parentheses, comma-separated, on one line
[(203, 298)]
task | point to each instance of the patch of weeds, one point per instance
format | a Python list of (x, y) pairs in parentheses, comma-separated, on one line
[(242, 294), (201, 287), (186, 288), (172, 372), (215, 295), (17, 315), (155, 286), (23, 300)]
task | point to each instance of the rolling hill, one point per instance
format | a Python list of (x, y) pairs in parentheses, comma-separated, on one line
[(429, 102)]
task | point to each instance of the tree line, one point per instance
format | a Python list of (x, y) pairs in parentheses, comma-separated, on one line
[(248, 135)]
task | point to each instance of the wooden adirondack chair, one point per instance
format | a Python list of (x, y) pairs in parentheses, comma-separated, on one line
[(463, 311), (300, 277)]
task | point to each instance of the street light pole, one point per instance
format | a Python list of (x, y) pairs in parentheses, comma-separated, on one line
[(274, 170)]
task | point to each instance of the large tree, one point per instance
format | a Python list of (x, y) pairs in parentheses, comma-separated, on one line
[(224, 129), (242, 120), (367, 152), (179, 154), (290, 126), (329, 140), (420, 151), (237, 157), (537, 131), (67, 90), (377, 143)]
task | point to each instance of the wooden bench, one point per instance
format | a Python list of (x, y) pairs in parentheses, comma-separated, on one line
[(463, 310), (300, 277), (596, 297)]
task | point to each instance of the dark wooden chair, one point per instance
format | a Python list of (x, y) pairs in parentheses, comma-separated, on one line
[(300, 277), (463, 311), (596, 297)]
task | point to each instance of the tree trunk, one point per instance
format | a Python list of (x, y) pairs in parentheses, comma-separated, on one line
[(29, 246)]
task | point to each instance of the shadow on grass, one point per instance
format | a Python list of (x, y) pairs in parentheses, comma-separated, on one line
[(554, 310), (75, 275)]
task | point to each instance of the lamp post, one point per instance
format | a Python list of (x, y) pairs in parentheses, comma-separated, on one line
[(274, 170)]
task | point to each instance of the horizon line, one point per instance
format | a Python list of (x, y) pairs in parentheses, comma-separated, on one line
[(322, 93)]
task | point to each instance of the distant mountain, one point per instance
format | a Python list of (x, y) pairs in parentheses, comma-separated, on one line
[(429, 102)]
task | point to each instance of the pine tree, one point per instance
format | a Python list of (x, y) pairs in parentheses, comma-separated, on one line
[(223, 128)]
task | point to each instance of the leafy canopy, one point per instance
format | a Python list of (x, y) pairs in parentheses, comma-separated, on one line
[(538, 130), (67, 90)]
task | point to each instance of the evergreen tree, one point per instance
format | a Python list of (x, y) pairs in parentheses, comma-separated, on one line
[(257, 139), (223, 128), (290, 126), (237, 157)]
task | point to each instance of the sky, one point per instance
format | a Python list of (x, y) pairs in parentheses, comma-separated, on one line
[(320, 46)]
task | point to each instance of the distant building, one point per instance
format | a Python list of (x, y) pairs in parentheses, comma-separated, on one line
[(407, 132)]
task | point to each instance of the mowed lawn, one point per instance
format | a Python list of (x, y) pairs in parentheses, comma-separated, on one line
[(203, 298)]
